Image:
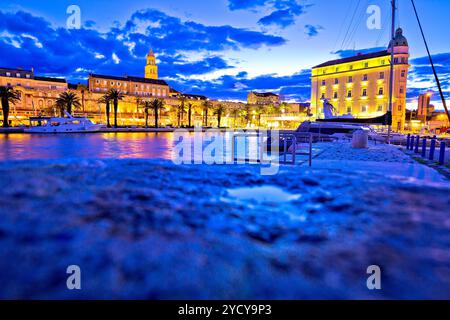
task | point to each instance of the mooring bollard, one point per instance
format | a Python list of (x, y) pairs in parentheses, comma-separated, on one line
[(432, 148), (424, 148), (408, 140), (442, 154), (417, 145)]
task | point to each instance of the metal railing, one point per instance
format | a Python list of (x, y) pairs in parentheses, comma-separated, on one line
[(288, 141)]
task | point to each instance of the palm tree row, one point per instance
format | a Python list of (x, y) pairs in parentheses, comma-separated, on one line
[(114, 96)]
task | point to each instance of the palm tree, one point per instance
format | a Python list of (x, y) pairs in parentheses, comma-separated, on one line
[(157, 104), (147, 106), (8, 95), (106, 100), (181, 109), (206, 106), (219, 110), (274, 109), (66, 101), (259, 110), (246, 110), (115, 95), (189, 114), (235, 113)]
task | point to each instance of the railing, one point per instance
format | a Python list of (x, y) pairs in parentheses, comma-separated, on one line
[(420, 145), (289, 142)]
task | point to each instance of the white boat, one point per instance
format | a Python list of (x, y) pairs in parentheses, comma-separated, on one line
[(67, 124)]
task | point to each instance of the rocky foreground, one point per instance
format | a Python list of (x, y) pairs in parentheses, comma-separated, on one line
[(148, 229)]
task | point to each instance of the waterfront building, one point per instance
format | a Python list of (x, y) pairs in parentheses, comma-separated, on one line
[(359, 85), (263, 98)]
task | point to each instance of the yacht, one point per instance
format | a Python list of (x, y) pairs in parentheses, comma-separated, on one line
[(67, 124)]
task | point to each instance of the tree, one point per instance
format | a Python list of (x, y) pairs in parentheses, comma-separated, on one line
[(147, 106), (189, 114), (206, 105), (157, 104), (259, 110), (247, 109), (219, 110), (68, 101), (115, 96), (106, 100), (181, 110), (8, 95), (235, 113)]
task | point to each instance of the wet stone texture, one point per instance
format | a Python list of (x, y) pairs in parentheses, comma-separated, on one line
[(152, 230)]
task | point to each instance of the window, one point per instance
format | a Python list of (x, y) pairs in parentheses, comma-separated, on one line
[(18, 75), (364, 109), (337, 69), (383, 62), (396, 60), (380, 91), (364, 93), (8, 74), (118, 84), (350, 79), (336, 81), (401, 90), (350, 67), (400, 107), (323, 96), (381, 75), (97, 81), (380, 109), (28, 76), (403, 60), (365, 77), (349, 110), (324, 83), (324, 71), (366, 65), (112, 83), (349, 94), (335, 96), (403, 73)]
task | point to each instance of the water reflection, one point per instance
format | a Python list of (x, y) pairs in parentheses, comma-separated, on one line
[(102, 145)]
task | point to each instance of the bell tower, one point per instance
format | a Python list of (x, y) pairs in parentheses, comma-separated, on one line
[(151, 69)]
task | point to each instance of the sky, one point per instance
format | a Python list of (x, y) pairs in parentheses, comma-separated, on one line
[(221, 48)]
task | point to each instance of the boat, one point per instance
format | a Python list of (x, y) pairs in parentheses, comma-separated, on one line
[(67, 124)]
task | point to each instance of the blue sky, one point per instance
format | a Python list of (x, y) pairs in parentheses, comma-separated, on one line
[(221, 48)]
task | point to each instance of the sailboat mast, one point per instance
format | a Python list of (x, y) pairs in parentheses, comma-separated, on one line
[(391, 74)]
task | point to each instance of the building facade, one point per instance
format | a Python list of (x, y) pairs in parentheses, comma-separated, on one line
[(264, 98), (359, 85)]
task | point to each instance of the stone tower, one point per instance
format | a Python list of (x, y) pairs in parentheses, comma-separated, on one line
[(151, 69)]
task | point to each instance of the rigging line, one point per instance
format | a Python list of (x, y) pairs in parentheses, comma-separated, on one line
[(357, 25), (344, 22), (431, 61), (351, 20)]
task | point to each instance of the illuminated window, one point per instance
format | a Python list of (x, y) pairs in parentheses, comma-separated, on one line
[(28, 76), (380, 108), (364, 109), (349, 109), (18, 75), (8, 74), (364, 93)]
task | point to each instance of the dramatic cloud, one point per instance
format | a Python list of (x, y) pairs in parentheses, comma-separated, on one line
[(29, 41), (312, 31), (284, 15)]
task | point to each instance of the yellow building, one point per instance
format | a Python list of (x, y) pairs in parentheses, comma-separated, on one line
[(264, 98), (151, 68), (359, 85)]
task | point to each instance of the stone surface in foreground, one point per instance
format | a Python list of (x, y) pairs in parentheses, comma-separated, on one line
[(149, 229)]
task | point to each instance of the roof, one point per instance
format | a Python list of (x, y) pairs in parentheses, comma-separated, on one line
[(60, 80), (194, 96), (128, 78), (16, 70), (264, 94), (354, 58)]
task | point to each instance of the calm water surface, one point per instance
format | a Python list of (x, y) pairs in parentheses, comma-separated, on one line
[(124, 145), (98, 145)]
